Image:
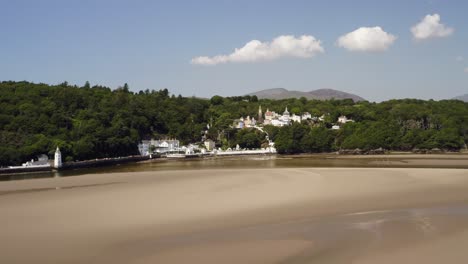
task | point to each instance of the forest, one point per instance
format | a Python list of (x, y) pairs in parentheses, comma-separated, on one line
[(89, 122)]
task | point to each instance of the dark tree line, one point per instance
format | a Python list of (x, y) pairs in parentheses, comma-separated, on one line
[(393, 125), (90, 122), (94, 122)]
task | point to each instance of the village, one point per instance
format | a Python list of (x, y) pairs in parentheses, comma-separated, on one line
[(285, 119), (171, 148)]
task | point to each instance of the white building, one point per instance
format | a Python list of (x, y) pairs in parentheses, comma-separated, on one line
[(253, 122), (147, 147), (42, 161), (285, 117), (247, 122), (269, 115), (296, 118), (250, 122), (335, 127), (278, 123), (321, 118), (306, 116), (239, 123), (272, 118), (189, 151), (343, 119), (209, 144)]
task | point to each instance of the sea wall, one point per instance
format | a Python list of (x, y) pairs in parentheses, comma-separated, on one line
[(102, 162), (244, 152), (23, 169)]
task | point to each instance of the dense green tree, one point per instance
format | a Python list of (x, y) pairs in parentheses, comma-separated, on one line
[(96, 122), (249, 138), (216, 100)]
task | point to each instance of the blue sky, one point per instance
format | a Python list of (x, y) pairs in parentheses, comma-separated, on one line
[(150, 44)]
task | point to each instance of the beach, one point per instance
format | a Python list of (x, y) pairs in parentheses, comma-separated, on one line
[(254, 215)]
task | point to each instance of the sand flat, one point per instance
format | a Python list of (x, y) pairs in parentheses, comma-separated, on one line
[(247, 215)]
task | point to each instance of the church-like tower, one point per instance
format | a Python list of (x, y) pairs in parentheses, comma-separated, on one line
[(260, 114), (58, 159)]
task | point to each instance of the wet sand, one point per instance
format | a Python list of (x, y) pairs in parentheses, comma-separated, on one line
[(282, 215)]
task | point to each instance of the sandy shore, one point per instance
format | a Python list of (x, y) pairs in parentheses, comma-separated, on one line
[(290, 215), (393, 160)]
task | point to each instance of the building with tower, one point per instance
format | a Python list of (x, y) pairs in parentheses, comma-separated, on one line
[(260, 115), (268, 117), (285, 117)]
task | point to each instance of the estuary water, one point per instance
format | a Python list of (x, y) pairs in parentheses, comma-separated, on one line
[(455, 161)]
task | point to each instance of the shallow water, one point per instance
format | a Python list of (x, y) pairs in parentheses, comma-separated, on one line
[(267, 161)]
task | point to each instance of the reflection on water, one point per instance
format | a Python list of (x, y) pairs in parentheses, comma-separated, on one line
[(249, 162)]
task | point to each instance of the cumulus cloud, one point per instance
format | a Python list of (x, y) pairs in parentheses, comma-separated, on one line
[(430, 27), (283, 46), (366, 39)]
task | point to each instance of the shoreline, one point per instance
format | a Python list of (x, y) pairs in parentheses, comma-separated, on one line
[(320, 160)]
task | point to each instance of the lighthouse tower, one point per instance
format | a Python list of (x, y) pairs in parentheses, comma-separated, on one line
[(58, 159)]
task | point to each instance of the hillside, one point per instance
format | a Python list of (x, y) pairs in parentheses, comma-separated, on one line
[(92, 122), (463, 98), (320, 94)]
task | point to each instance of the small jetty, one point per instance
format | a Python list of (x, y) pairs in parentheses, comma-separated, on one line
[(102, 162)]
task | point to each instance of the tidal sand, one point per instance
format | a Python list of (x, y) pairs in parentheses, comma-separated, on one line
[(282, 215)]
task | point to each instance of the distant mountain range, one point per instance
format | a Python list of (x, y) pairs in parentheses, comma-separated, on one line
[(320, 94), (463, 98)]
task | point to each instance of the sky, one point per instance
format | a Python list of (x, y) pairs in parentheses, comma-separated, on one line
[(379, 50)]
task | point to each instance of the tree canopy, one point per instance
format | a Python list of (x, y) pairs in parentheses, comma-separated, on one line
[(95, 121)]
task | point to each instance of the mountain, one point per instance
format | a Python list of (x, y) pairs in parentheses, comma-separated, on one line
[(320, 94), (463, 98)]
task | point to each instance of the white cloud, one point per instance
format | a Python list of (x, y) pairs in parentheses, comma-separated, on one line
[(459, 58), (366, 39), (430, 27), (283, 46)]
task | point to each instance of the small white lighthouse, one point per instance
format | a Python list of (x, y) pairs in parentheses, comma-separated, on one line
[(58, 159)]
